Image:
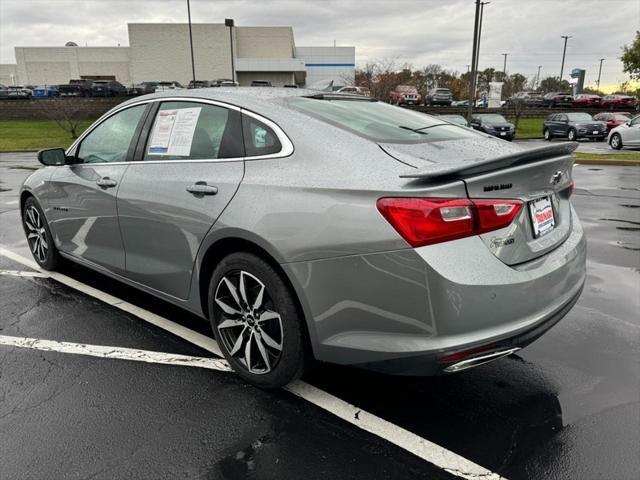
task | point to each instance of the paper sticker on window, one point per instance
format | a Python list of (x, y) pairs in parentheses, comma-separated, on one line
[(173, 132), (260, 137)]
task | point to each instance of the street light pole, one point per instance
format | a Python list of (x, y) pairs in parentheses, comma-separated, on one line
[(538, 76), (482, 4), (600, 72), (193, 65), (229, 23), (504, 67), (472, 80), (564, 51)]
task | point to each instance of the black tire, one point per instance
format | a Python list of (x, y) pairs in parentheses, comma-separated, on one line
[(273, 367), (572, 135), (616, 141), (546, 133), (41, 246)]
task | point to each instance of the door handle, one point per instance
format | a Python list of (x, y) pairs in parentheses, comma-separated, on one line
[(201, 188), (106, 182)]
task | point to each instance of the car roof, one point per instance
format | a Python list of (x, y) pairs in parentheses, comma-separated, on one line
[(258, 98)]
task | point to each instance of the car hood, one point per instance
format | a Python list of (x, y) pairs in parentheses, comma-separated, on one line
[(450, 151)]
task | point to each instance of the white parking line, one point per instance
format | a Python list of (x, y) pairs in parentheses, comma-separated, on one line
[(120, 353), (412, 443)]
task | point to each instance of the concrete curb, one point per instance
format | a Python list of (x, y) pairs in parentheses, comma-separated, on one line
[(604, 162)]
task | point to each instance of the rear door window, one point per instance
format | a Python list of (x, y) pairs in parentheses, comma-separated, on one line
[(194, 131)]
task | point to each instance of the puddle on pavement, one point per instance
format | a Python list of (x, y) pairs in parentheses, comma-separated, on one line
[(595, 169), (629, 206)]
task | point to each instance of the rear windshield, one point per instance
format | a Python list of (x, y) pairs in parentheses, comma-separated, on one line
[(579, 117), (442, 90), (620, 116), (379, 121)]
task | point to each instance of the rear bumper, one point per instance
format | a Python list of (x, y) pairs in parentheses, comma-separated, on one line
[(401, 312)]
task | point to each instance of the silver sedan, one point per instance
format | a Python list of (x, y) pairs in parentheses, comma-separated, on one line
[(626, 135), (307, 225)]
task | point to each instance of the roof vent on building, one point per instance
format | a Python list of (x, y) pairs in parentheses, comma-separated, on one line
[(71, 44)]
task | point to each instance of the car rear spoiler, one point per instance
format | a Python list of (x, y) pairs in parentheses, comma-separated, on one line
[(469, 168)]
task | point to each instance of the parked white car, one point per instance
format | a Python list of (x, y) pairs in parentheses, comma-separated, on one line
[(626, 135)]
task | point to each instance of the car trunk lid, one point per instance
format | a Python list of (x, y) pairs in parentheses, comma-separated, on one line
[(491, 169)]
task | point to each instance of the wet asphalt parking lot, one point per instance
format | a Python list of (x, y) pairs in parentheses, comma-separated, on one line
[(566, 407)]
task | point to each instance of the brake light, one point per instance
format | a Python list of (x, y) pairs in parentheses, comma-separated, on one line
[(425, 221), (571, 187)]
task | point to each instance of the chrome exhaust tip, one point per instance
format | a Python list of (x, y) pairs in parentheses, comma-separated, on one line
[(479, 360)]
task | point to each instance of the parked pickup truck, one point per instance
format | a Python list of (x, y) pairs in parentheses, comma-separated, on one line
[(76, 88)]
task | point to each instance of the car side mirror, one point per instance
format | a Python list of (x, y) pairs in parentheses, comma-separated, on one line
[(52, 156)]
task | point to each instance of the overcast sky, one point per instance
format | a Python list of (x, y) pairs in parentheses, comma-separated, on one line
[(417, 32)]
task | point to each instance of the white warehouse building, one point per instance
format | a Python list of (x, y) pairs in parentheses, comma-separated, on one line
[(160, 51)]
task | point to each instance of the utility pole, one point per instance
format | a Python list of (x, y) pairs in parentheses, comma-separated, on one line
[(472, 80), (504, 67), (193, 65), (600, 72), (564, 51)]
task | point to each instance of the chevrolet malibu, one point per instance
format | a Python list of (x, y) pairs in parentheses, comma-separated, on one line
[(307, 225)]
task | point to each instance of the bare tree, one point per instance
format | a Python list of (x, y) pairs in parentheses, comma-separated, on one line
[(67, 113)]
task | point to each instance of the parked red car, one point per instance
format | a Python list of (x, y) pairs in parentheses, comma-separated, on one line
[(613, 119), (405, 95), (587, 100), (618, 101)]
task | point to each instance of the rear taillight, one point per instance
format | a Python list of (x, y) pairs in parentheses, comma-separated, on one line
[(571, 187), (425, 221)]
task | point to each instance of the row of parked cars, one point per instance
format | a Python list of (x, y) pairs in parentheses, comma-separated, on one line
[(113, 88), (570, 125), (564, 99), (409, 95)]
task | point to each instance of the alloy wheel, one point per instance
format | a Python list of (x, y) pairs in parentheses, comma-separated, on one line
[(615, 142), (36, 234), (250, 328)]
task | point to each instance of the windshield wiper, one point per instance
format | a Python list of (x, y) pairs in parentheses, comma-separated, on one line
[(420, 130)]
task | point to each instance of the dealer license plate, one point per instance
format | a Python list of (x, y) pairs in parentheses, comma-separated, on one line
[(542, 216)]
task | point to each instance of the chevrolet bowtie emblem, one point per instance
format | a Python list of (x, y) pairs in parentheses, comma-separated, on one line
[(556, 178)]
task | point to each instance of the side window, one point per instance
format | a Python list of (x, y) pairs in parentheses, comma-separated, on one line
[(109, 141), (259, 139), (636, 121), (194, 131)]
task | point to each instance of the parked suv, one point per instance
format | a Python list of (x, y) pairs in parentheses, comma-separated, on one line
[(557, 99), (439, 96), (76, 88), (573, 126), (199, 84), (142, 88), (493, 124), (405, 95), (107, 88), (530, 99)]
